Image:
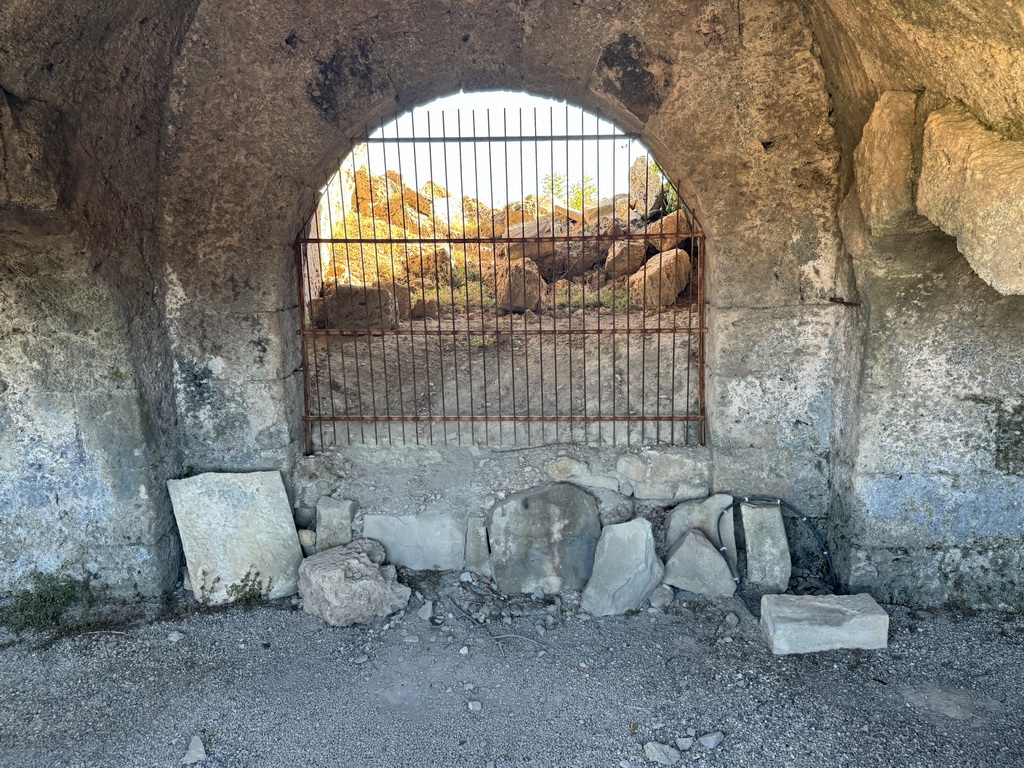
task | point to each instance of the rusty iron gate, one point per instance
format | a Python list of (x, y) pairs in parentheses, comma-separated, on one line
[(448, 309)]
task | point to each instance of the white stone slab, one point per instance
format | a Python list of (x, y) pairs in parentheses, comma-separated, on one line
[(433, 541), (703, 515), (768, 563), (478, 553), (808, 624), (696, 565), (626, 569), (236, 527)]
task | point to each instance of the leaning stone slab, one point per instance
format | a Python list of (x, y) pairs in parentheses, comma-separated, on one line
[(768, 562), (478, 552), (344, 586), (626, 569), (236, 530), (427, 542), (972, 187), (696, 565), (334, 522), (703, 515), (544, 538), (809, 624)]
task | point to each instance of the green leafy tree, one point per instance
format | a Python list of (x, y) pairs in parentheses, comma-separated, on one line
[(582, 193), (553, 186)]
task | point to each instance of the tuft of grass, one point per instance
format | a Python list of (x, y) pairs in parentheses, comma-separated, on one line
[(43, 606), (577, 296), (250, 591)]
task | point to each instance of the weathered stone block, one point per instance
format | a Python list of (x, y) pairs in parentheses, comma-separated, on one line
[(972, 187), (810, 624), (884, 165), (519, 286), (427, 542), (334, 522), (646, 188), (768, 561), (344, 586), (703, 515), (625, 257), (355, 308), (544, 538), (666, 233), (234, 528), (696, 565), (626, 569), (660, 280)]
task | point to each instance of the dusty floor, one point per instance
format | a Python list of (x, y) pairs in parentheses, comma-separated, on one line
[(276, 687)]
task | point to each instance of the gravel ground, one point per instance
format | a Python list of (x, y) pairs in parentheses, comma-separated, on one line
[(273, 686)]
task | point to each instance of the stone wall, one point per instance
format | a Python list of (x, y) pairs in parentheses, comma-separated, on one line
[(160, 157)]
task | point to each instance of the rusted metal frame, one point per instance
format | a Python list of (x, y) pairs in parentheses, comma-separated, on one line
[(483, 322), (484, 240), (327, 346), (394, 283), (593, 331), (426, 349), (465, 250), (492, 140), (480, 419), (355, 352), (497, 320), (362, 260), (701, 340), (465, 255), (583, 283), (304, 346), (583, 213)]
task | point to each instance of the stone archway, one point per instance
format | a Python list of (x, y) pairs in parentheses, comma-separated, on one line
[(260, 112)]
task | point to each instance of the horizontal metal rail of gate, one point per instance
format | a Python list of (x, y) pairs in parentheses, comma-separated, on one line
[(421, 321)]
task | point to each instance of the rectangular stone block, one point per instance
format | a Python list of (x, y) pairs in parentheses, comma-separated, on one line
[(427, 542), (809, 624), (768, 562)]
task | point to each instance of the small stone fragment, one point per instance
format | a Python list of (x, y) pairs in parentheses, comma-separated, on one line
[(662, 596), (711, 740), (475, 706), (334, 522), (426, 611), (196, 752), (704, 515), (662, 754), (175, 636), (626, 569), (684, 743)]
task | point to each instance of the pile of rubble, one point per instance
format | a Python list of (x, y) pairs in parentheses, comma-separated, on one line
[(540, 246), (556, 538)]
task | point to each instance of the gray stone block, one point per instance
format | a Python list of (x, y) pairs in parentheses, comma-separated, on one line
[(236, 527), (703, 515), (544, 538), (626, 569), (809, 624), (696, 565), (334, 522), (478, 552), (768, 561), (427, 542)]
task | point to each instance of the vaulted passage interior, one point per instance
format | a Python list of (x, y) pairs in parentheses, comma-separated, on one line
[(848, 163)]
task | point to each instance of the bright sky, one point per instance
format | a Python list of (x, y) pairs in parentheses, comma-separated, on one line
[(498, 172)]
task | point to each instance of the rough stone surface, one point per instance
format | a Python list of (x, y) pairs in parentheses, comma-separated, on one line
[(196, 752), (544, 538), (768, 561), (478, 552), (334, 522), (355, 308), (694, 564), (810, 624), (626, 569), (661, 596), (425, 542), (234, 528), (344, 586), (660, 280), (519, 286), (704, 516), (885, 167), (667, 233), (625, 257), (662, 754), (972, 186)]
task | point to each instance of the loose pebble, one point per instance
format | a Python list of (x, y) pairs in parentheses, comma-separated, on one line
[(175, 637), (475, 706), (711, 740)]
